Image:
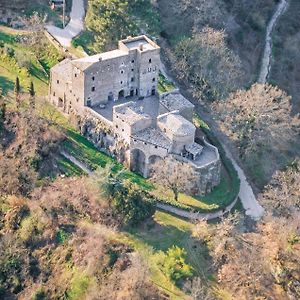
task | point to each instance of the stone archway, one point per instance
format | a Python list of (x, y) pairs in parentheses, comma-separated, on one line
[(153, 160), (121, 94), (138, 162)]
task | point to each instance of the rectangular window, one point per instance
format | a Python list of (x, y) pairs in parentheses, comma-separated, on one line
[(57, 81), (75, 75), (132, 79), (93, 89), (93, 78)]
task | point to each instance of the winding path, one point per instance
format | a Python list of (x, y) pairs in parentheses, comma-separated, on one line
[(266, 60), (74, 27)]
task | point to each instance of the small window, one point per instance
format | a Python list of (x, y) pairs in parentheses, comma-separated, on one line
[(117, 126), (134, 140), (122, 71), (57, 81), (153, 79), (132, 70), (132, 61), (145, 143), (93, 78), (77, 99), (150, 60), (149, 69), (70, 91), (123, 130), (132, 79), (121, 82), (93, 89), (75, 75), (155, 147), (54, 94)]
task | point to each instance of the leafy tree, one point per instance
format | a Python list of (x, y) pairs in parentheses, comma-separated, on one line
[(132, 204), (174, 264), (108, 181), (110, 20)]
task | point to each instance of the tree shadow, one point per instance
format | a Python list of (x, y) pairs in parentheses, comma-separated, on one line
[(6, 85)]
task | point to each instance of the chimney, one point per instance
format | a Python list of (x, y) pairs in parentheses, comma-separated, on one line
[(141, 47)]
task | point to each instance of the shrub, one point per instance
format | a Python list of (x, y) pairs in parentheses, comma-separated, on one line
[(174, 265)]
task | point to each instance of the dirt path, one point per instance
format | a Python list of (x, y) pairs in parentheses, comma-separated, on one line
[(266, 60), (177, 211), (74, 27)]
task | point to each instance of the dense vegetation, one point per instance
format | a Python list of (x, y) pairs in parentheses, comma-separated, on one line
[(111, 20)]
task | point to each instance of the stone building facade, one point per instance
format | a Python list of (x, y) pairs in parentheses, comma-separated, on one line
[(114, 98)]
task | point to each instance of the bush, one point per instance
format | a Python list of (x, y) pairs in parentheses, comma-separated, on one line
[(10, 52), (174, 265)]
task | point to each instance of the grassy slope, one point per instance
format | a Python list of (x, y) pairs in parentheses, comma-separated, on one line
[(9, 69), (165, 231)]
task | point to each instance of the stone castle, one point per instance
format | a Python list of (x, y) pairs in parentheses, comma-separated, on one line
[(113, 98)]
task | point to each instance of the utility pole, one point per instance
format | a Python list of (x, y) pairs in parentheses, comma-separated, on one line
[(64, 5)]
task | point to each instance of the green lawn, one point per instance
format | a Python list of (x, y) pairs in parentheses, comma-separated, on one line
[(68, 168), (38, 71), (219, 197)]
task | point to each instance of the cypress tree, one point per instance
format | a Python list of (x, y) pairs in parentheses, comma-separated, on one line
[(17, 91), (2, 110), (32, 95)]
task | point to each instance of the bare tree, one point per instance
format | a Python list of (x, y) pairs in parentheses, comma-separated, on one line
[(172, 174), (206, 62), (35, 24), (260, 116)]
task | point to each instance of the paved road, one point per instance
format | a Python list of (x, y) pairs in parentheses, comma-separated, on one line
[(252, 207), (74, 27), (266, 60)]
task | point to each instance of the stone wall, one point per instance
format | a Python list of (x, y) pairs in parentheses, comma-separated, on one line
[(203, 178)]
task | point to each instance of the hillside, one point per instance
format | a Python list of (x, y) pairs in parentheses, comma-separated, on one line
[(286, 58), (244, 23)]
